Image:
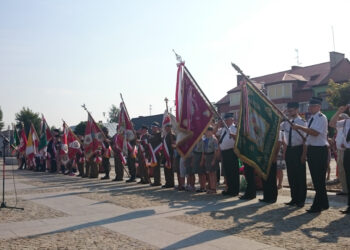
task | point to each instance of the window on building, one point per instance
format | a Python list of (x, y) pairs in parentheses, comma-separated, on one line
[(283, 90), (235, 98)]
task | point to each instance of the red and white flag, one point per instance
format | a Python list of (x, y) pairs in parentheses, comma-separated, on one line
[(73, 143), (193, 112), (93, 140)]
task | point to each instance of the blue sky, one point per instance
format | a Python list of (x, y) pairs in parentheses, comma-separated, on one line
[(57, 55)]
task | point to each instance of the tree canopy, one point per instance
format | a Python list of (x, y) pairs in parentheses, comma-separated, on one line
[(113, 114), (27, 116), (338, 94)]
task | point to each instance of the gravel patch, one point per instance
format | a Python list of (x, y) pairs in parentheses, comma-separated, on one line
[(89, 238), (32, 211)]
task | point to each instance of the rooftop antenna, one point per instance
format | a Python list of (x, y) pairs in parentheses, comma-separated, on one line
[(297, 57), (333, 38)]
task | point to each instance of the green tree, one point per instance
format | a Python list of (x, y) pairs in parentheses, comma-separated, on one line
[(27, 116), (338, 93), (80, 128), (113, 114), (1, 122)]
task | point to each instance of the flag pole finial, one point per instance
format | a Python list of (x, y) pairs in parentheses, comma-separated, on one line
[(178, 57)]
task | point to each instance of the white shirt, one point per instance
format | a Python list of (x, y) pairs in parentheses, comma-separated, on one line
[(297, 140), (227, 141), (345, 124), (340, 132), (319, 124)]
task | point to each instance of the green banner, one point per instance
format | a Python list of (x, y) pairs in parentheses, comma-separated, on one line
[(258, 130)]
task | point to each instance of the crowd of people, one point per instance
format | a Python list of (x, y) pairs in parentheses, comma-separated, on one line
[(300, 141)]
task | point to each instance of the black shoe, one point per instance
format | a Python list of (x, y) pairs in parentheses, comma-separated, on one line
[(131, 180), (267, 201), (247, 197), (313, 210), (341, 193), (105, 177), (155, 184), (227, 193), (300, 204), (291, 203), (115, 179), (346, 211), (201, 190)]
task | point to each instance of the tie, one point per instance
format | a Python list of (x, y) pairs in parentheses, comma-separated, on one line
[(310, 122), (290, 135), (348, 136), (222, 137)]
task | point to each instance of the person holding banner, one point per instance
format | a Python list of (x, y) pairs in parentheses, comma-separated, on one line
[(317, 153), (156, 142), (229, 158)]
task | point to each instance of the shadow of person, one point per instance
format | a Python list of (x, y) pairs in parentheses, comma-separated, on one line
[(332, 232)]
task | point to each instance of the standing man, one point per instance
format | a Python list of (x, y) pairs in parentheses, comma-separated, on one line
[(106, 154), (131, 159), (52, 150), (345, 145), (317, 153), (295, 156), (169, 142), (143, 156), (118, 163), (338, 121), (156, 140), (229, 158)]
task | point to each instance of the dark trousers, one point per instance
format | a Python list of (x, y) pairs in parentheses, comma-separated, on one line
[(81, 168), (231, 168), (169, 176), (106, 165), (131, 167), (250, 178), (296, 174), (270, 185), (317, 159), (53, 164), (118, 168), (156, 173), (347, 170)]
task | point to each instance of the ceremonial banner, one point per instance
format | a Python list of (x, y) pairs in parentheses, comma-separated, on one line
[(93, 140), (258, 130), (32, 143), (23, 141), (73, 143), (43, 137), (64, 145), (125, 132), (193, 113)]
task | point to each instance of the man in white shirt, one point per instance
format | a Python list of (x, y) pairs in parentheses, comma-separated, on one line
[(317, 153), (337, 122), (295, 155), (345, 144), (229, 158)]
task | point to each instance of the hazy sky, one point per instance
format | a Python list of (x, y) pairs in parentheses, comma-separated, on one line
[(57, 55)]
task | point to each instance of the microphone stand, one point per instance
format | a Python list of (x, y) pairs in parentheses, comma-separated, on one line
[(5, 141)]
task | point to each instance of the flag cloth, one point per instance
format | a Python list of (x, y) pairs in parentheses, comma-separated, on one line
[(258, 130), (64, 145), (43, 137), (48, 130), (23, 141), (93, 139), (125, 131), (73, 144), (32, 143), (193, 113)]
